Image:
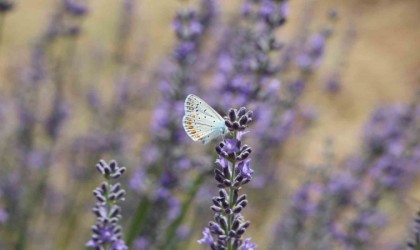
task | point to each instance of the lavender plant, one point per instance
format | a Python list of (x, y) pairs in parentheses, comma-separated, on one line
[(248, 71), (253, 67), (163, 164), (348, 211), (391, 162), (414, 244), (106, 233), (294, 230), (333, 83), (30, 160), (231, 173)]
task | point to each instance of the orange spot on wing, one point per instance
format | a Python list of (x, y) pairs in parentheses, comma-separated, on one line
[(193, 132)]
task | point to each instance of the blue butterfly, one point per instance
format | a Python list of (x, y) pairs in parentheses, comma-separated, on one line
[(201, 122)]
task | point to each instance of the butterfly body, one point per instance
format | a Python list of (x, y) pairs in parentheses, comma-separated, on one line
[(201, 122)]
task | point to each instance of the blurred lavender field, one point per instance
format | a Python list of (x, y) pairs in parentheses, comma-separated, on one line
[(332, 156)]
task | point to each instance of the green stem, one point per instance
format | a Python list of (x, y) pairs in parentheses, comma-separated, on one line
[(108, 207), (21, 242), (32, 201), (171, 231), (231, 191), (139, 220)]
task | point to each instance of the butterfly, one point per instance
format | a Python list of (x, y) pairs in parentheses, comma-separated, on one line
[(201, 122)]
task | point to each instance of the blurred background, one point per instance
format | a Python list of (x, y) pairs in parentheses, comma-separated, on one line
[(82, 81)]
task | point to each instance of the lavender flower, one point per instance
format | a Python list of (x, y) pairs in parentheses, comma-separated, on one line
[(4, 216), (75, 7), (168, 166), (106, 233), (313, 51), (6, 5), (387, 164), (333, 85), (290, 232), (358, 232), (391, 142), (247, 73), (414, 244), (231, 173), (125, 31), (31, 158), (59, 113)]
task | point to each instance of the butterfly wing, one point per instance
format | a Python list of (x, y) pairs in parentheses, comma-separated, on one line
[(194, 104), (201, 122), (210, 136), (200, 128)]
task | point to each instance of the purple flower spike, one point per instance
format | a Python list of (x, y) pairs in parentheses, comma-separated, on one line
[(160, 162), (106, 232), (231, 173), (415, 243)]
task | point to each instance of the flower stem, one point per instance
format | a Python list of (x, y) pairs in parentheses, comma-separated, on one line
[(169, 242), (139, 221), (231, 192)]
